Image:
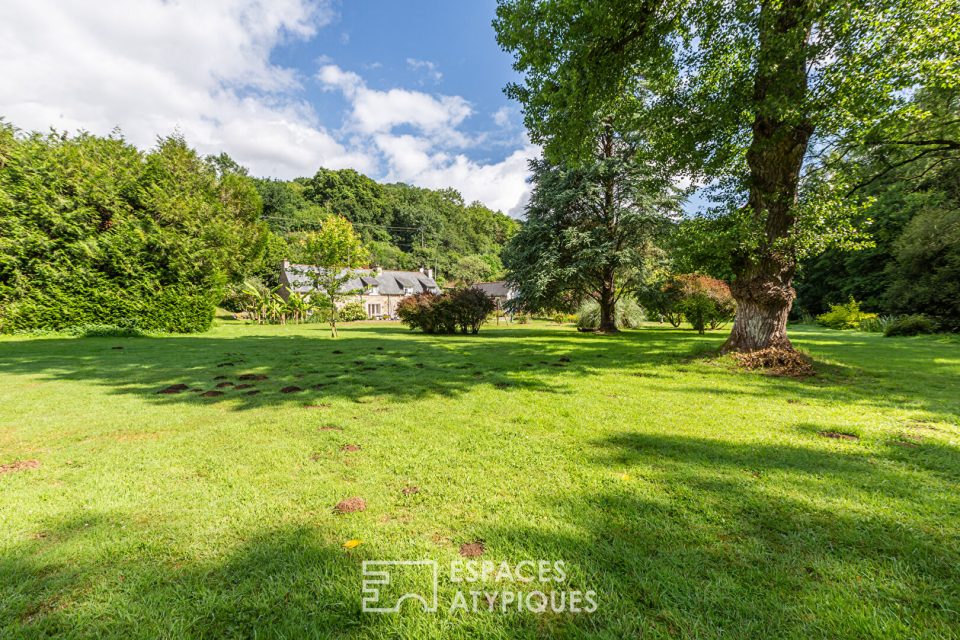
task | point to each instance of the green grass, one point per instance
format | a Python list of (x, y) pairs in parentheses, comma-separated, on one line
[(697, 501)]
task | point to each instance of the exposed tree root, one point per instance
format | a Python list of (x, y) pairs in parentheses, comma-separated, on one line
[(777, 361)]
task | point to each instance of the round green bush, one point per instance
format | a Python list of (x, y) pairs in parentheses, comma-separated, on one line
[(910, 325)]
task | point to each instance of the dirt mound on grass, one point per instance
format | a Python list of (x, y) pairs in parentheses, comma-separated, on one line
[(838, 435), (252, 377), (350, 447), (291, 389), (224, 384), (409, 491), (351, 505), (331, 427), (776, 361), (19, 465), (174, 388), (211, 394), (472, 549)]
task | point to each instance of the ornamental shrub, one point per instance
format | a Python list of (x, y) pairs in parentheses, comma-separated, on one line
[(910, 325), (463, 310), (705, 302), (627, 315), (351, 312), (845, 316)]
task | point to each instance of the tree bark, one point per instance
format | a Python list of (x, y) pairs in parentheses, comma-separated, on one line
[(608, 306), (608, 285), (781, 133)]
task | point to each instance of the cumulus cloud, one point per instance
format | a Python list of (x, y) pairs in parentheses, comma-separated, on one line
[(152, 67), (434, 154)]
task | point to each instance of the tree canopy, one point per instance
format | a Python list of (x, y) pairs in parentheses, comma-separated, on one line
[(743, 95)]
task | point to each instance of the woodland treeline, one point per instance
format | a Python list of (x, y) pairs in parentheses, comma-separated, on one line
[(96, 231)]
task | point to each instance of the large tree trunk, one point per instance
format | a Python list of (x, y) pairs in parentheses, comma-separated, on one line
[(608, 306), (763, 284), (608, 285)]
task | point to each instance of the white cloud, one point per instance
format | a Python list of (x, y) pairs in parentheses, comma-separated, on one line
[(501, 117), (151, 66), (429, 68), (432, 156)]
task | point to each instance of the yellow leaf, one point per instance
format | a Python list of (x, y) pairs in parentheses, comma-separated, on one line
[(351, 544), (625, 476)]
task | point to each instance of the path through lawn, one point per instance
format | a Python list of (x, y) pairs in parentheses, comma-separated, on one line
[(696, 501)]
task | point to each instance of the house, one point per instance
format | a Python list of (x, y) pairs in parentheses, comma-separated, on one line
[(380, 290), (500, 291)]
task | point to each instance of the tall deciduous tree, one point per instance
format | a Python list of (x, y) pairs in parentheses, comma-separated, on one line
[(335, 251), (744, 93), (589, 229)]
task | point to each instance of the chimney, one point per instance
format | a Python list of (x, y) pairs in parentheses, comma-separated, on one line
[(379, 271), (430, 273), (286, 265)]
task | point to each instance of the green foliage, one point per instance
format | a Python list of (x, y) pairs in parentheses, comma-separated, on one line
[(628, 314), (106, 331), (845, 316), (336, 251), (590, 229), (911, 325), (914, 216), (352, 311), (925, 276), (463, 309), (403, 227), (736, 94), (705, 302), (876, 325), (92, 231)]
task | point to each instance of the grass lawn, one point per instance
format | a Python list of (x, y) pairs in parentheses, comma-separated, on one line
[(696, 501)]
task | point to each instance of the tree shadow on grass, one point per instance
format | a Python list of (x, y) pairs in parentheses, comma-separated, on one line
[(368, 362), (706, 538), (88, 576), (374, 363)]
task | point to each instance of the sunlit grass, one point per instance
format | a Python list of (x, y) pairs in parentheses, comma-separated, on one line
[(697, 501)]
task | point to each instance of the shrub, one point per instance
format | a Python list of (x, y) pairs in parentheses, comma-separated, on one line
[(876, 325), (628, 314), (910, 325), (352, 311), (705, 302), (105, 331), (463, 310), (522, 319), (844, 316), (93, 231)]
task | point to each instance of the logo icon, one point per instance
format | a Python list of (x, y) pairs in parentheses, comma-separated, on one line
[(381, 576)]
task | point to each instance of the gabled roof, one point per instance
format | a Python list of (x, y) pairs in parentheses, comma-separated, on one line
[(499, 289), (388, 283)]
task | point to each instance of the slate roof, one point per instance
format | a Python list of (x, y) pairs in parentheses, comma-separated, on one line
[(498, 289), (388, 283)]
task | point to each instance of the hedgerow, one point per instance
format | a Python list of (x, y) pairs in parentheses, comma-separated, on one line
[(95, 232)]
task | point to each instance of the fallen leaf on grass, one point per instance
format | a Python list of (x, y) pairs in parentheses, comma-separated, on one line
[(352, 544)]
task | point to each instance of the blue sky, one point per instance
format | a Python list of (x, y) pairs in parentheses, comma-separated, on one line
[(432, 46), (403, 91)]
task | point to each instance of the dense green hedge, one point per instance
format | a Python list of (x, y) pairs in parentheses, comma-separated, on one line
[(93, 231)]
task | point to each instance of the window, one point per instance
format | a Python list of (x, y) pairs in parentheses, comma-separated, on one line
[(373, 310)]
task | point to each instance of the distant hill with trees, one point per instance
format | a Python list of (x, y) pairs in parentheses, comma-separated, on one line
[(96, 231)]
